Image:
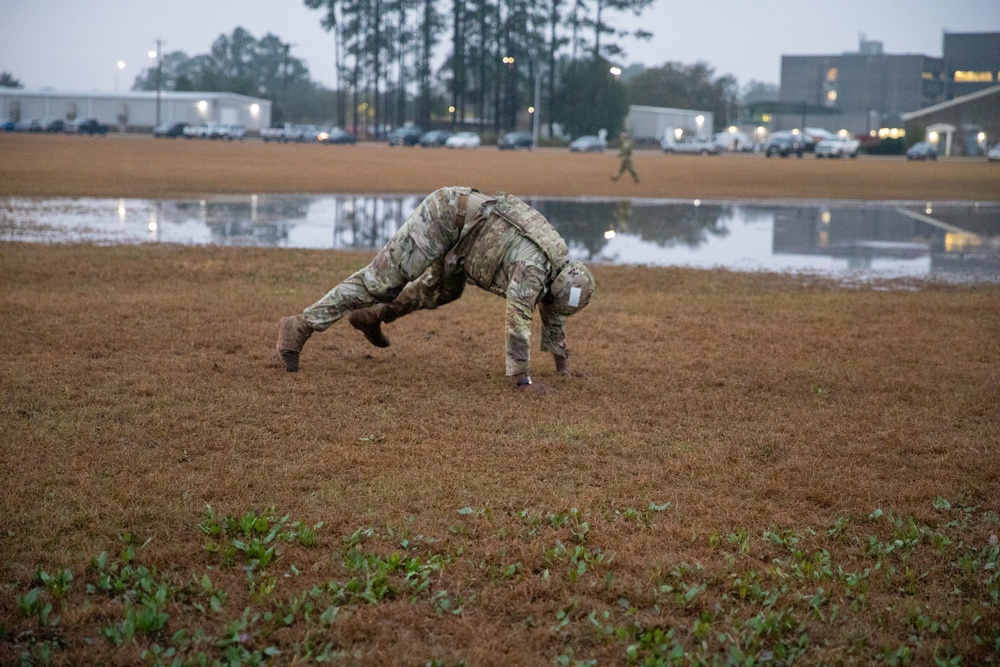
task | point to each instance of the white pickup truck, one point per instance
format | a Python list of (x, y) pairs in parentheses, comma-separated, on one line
[(287, 132), (838, 146), (695, 145)]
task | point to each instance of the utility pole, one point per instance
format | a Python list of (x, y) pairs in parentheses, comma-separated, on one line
[(536, 109), (285, 67), (284, 79), (158, 54)]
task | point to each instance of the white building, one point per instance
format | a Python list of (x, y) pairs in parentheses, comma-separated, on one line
[(135, 110), (650, 123)]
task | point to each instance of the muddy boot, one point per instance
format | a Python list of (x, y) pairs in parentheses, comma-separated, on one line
[(293, 332), (368, 323)]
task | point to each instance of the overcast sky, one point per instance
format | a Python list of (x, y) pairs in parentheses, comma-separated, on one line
[(77, 45)]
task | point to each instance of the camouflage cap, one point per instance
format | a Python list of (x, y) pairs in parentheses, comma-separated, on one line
[(572, 288)]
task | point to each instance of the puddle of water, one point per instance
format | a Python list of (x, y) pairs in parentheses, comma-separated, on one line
[(954, 241)]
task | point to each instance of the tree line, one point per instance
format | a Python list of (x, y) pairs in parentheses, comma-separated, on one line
[(470, 63)]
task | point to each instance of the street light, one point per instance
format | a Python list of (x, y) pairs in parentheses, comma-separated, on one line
[(616, 71), (700, 120), (119, 67)]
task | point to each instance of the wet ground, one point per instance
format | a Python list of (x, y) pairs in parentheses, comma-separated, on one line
[(952, 241)]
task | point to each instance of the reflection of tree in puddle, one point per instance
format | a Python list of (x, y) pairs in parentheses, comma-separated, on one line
[(255, 220), (368, 222), (591, 224), (358, 221)]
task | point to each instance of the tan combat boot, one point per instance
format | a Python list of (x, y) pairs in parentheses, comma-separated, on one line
[(293, 332), (368, 323)]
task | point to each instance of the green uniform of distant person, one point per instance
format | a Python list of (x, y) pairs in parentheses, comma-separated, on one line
[(458, 235), (625, 155)]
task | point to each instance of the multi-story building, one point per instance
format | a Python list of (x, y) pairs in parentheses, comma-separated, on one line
[(869, 91), (971, 62), (861, 92)]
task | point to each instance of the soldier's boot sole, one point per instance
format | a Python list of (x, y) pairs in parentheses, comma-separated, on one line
[(370, 325), (293, 332)]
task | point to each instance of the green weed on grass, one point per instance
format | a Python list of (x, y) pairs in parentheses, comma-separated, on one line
[(781, 597)]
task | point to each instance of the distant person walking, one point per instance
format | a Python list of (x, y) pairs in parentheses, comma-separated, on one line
[(625, 155)]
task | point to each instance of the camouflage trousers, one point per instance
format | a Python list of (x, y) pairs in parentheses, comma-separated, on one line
[(626, 165), (409, 273)]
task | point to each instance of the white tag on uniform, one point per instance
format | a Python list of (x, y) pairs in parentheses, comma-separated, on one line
[(574, 297)]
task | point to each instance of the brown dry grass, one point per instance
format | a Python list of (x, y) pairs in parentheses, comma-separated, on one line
[(142, 167), (139, 385)]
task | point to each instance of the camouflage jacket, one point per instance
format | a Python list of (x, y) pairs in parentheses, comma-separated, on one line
[(499, 257), (625, 151)]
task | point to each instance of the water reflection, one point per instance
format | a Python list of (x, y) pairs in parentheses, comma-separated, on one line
[(957, 241), (586, 224)]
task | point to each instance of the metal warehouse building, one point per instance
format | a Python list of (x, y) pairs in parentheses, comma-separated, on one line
[(136, 111), (649, 123)]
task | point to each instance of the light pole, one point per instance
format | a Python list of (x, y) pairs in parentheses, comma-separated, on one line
[(119, 67), (535, 109), (509, 105), (158, 54)]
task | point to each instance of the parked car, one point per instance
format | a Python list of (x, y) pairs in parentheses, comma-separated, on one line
[(690, 146), (463, 140), (277, 132), (201, 130), (838, 146), (8, 126), (86, 126), (922, 150), (234, 132), (336, 135), (434, 138), (405, 136), (170, 130), (993, 154), (588, 143), (515, 140), (29, 125), (784, 145), (217, 131), (308, 133), (54, 125)]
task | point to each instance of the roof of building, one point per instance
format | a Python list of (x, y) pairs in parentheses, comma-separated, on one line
[(129, 94), (964, 99), (664, 110)]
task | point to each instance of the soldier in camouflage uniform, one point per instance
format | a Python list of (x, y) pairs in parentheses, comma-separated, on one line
[(458, 235), (625, 155)]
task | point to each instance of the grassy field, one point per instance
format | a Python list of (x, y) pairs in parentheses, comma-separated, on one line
[(757, 469), (141, 167)]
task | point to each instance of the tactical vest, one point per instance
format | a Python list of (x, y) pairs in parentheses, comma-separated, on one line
[(485, 244)]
